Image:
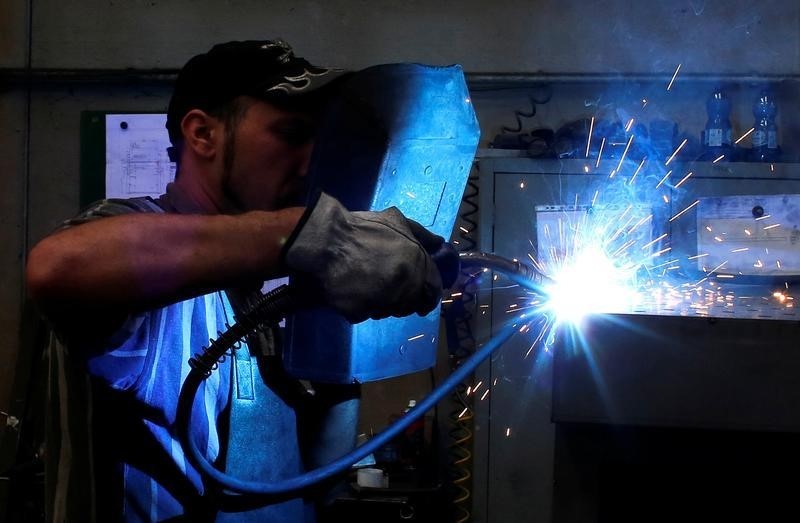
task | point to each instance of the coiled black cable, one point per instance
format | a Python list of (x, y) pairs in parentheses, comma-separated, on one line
[(519, 114), (270, 309)]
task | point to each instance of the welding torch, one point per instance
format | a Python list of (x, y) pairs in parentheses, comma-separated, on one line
[(286, 299)]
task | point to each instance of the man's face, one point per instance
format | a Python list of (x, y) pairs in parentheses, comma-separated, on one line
[(267, 160)]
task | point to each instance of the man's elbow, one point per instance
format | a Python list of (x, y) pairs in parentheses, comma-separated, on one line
[(43, 272)]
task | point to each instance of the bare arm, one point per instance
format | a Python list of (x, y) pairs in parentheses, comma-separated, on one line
[(113, 266)]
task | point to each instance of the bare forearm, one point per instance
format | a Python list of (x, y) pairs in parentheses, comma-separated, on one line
[(134, 262)]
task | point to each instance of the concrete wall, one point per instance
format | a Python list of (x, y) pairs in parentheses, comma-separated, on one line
[(509, 36), (39, 144)]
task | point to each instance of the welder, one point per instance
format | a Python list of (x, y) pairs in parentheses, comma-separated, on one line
[(134, 288)]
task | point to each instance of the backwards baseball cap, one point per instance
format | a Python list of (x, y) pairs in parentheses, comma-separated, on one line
[(265, 69)]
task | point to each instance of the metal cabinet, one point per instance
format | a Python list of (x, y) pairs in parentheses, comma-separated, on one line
[(556, 419)]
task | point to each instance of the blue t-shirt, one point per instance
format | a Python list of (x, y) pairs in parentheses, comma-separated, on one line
[(139, 469)]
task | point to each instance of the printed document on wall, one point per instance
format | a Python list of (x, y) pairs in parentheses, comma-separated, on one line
[(136, 155)]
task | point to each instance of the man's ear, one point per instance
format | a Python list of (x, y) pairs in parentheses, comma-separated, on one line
[(202, 133)]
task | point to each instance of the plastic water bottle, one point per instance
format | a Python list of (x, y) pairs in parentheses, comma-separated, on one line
[(413, 448), (415, 434), (765, 135), (717, 137)]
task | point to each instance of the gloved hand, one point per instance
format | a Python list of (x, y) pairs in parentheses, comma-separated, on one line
[(366, 264)]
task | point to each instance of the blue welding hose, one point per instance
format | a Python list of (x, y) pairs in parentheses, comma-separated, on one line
[(337, 466), (285, 300)]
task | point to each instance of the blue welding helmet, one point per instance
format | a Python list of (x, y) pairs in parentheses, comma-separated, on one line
[(400, 135)]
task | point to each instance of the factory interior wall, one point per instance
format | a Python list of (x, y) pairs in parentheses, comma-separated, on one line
[(575, 50)]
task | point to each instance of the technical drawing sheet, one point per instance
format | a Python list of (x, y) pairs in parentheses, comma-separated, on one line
[(136, 155)]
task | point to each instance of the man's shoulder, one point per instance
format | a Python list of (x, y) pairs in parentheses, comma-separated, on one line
[(114, 207)]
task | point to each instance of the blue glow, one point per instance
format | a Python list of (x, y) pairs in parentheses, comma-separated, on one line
[(591, 282)]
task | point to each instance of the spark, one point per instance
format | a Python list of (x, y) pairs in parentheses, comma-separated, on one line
[(725, 276), (674, 76), (640, 222), (410, 195), (745, 135), (486, 393), (463, 412), (747, 232), (620, 229), (447, 301), (645, 246), (477, 386), (772, 226), (684, 211), (718, 267), (665, 198), (600, 154), (536, 264), (763, 217), (664, 264), (539, 337), (521, 185), (594, 199), (623, 248), (624, 153), (662, 251), (644, 103), (772, 167), (677, 151), (697, 256), (637, 170), (720, 157), (664, 179), (418, 336), (589, 141), (464, 229), (742, 249), (628, 127), (683, 180), (508, 431)]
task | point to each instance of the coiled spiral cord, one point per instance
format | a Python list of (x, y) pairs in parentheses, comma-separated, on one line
[(461, 344), (534, 100)]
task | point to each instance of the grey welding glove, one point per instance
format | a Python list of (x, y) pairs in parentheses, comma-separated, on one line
[(366, 264)]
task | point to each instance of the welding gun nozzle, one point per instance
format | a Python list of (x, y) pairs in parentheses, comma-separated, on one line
[(519, 272)]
